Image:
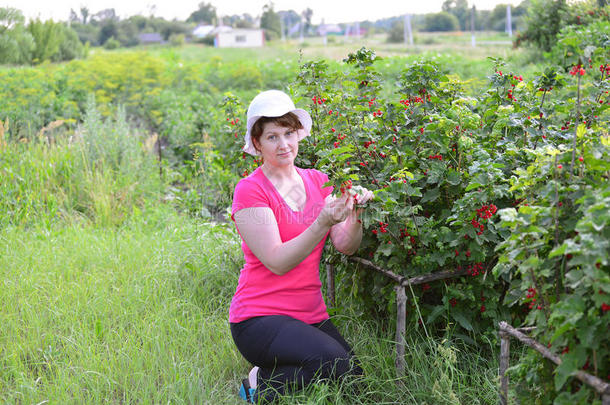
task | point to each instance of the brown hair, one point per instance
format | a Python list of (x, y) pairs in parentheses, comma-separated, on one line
[(288, 120)]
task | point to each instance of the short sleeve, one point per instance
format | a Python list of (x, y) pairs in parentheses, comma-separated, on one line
[(248, 194), (323, 179)]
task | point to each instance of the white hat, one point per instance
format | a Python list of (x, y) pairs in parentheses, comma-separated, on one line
[(273, 103)]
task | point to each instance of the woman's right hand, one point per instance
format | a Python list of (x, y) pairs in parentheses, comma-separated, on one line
[(336, 209)]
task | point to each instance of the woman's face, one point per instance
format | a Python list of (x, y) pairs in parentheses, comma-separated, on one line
[(278, 145)]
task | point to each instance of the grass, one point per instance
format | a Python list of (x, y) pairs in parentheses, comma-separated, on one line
[(138, 314)]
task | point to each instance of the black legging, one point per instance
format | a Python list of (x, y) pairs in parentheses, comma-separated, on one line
[(292, 352)]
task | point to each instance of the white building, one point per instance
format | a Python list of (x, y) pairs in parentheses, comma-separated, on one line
[(240, 38)]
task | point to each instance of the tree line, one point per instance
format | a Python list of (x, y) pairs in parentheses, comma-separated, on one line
[(37, 41)]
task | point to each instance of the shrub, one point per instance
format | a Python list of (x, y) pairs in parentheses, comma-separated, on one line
[(112, 43), (442, 21)]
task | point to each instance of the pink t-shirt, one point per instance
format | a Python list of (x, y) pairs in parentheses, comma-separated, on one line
[(296, 293)]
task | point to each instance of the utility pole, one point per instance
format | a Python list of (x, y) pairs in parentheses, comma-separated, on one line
[(472, 38), (509, 23), (408, 33)]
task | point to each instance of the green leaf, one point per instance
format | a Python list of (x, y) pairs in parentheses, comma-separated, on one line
[(558, 251), (431, 195), (453, 178), (570, 363), (462, 320), (439, 309)]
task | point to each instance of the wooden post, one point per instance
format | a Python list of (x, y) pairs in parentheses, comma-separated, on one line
[(401, 326), (330, 284), (504, 358)]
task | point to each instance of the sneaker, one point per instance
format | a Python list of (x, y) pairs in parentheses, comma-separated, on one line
[(245, 392), (248, 386)]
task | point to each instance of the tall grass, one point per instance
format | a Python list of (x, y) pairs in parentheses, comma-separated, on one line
[(99, 173), (138, 314)]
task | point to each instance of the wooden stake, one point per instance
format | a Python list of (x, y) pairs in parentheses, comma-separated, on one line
[(330, 284), (401, 327), (504, 359)]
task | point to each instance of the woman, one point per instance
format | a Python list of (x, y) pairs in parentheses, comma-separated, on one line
[(284, 214)]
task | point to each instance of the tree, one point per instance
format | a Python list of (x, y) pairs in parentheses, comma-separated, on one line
[(270, 22), (307, 14), (206, 13), (109, 29), (107, 14), (239, 21), (47, 36), (397, 32), (70, 46), (459, 8), (544, 20), (84, 11), (442, 21), (9, 18), (16, 43)]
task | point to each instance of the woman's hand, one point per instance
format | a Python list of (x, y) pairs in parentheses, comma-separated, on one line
[(336, 209), (361, 196)]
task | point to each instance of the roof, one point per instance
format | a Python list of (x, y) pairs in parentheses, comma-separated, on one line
[(150, 37)]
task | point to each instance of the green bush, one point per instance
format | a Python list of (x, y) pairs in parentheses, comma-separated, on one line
[(176, 39), (396, 33), (112, 43), (442, 21)]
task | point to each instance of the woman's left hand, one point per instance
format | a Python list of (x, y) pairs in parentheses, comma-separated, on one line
[(361, 196)]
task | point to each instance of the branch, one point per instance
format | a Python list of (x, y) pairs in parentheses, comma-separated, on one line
[(404, 281), (596, 383)]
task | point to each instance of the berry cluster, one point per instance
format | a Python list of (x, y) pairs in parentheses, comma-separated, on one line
[(605, 307), (439, 157), (377, 113), (605, 68), (383, 227), (531, 295), (368, 143), (474, 269), (578, 69), (347, 185), (404, 234), (453, 302), (372, 101), (233, 121), (318, 100), (486, 211)]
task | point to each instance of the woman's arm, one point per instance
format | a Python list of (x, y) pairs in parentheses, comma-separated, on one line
[(258, 227), (347, 235)]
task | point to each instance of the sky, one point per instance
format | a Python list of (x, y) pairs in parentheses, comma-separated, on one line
[(331, 11)]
